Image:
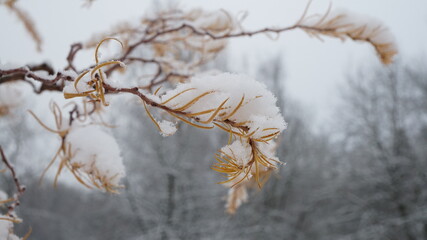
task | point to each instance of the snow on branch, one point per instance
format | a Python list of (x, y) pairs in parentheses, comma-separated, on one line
[(243, 108), (172, 46), (239, 105), (86, 150)]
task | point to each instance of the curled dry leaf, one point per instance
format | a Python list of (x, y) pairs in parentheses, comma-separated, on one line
[(90, 82)]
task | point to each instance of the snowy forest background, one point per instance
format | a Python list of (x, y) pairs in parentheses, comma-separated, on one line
[(361, 175), (362, 178)]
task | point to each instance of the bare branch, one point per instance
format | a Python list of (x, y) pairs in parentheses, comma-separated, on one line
[(70, 58), (20, 188)]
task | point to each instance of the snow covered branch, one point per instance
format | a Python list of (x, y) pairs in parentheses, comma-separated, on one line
[(172, 46)]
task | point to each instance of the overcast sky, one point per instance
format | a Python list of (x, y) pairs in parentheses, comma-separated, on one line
[(314, 69)]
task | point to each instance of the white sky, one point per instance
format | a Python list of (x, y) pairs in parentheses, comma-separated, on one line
[(313, 69)]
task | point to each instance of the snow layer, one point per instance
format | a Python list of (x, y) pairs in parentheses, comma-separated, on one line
[(241, 152), (96, 153), (84, 85), (5, 230), (258, 111), (167, 128), (10, 95)]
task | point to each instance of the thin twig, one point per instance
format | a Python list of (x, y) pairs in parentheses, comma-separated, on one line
[(70, 58), (20, 188)]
